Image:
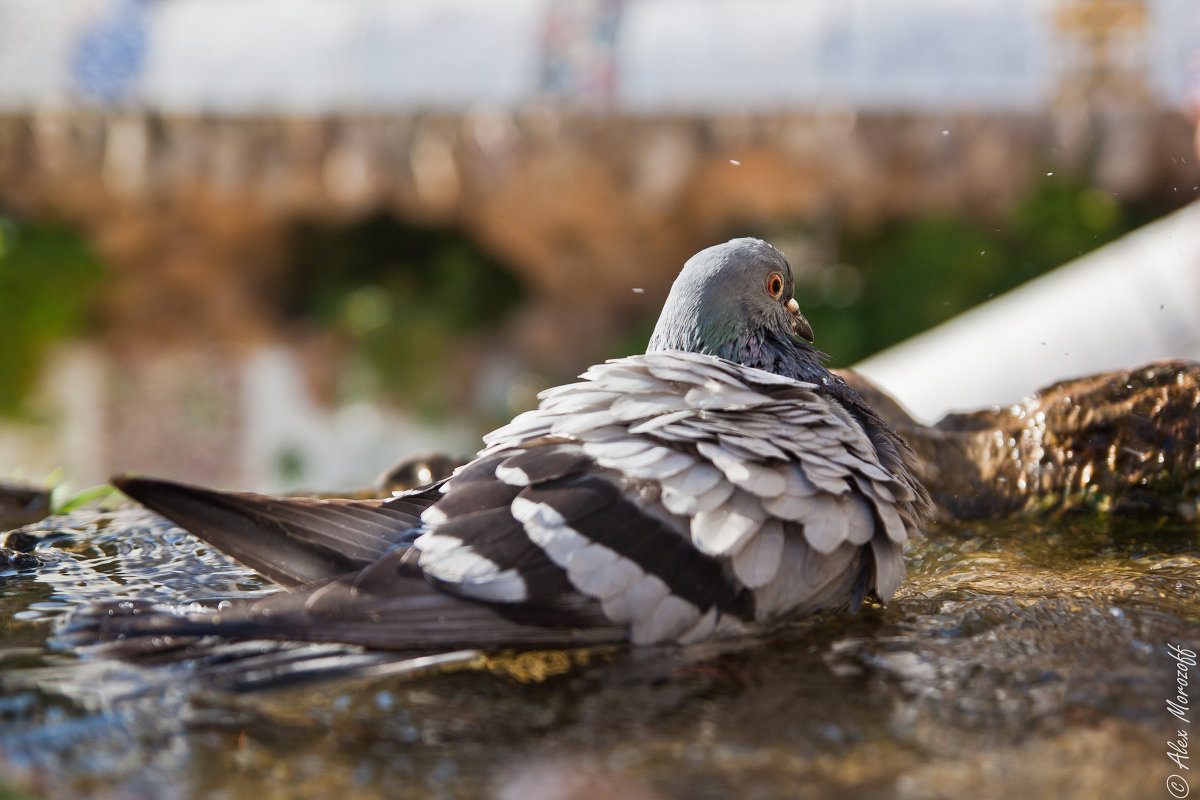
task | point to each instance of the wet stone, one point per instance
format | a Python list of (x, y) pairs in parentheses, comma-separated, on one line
[(17, 560), (1120, 441), (420, 470), (22, 504), (22, 541)]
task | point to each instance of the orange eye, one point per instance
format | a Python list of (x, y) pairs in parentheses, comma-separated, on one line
[(775, 284)]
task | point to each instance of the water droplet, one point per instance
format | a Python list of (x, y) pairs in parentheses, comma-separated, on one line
[(638, 290), (1048, 174), (735, 162), (945, 133)]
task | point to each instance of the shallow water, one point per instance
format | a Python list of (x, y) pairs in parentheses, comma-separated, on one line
[(1020, 659)]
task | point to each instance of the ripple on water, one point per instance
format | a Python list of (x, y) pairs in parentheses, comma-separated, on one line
[(137, 554)]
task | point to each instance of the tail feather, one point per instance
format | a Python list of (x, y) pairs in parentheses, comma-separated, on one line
[(292, 541)]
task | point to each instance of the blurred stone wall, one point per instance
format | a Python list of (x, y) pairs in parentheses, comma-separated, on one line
[(192, 213)]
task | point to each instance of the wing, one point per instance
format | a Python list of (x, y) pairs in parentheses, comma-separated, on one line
[(677, 494), (547, 536)]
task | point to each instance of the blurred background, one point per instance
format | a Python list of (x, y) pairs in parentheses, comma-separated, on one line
[(282, 243)]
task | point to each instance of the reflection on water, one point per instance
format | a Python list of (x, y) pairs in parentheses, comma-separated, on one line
[(1018, 661)]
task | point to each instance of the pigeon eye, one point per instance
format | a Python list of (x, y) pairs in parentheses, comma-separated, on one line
[(775, 285)]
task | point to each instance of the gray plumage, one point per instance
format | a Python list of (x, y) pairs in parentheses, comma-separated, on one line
[(718, 465), (715, 485)]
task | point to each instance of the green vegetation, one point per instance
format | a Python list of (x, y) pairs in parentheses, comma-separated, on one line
[(908, 276), (63, 500), (47, 279), (401, 297)]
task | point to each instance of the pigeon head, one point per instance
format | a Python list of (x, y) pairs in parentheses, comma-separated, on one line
[(734, 300)]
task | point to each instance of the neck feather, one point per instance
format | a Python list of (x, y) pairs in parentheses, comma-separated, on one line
[(759, 349)]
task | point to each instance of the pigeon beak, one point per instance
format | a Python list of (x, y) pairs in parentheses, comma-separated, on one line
[(800, 325)]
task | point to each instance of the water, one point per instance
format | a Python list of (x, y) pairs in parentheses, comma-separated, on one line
[(1020, 659)]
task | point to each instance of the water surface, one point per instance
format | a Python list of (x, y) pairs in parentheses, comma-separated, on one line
[(1021, 659)]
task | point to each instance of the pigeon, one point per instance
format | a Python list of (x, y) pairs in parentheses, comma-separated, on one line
[(717, 485)]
